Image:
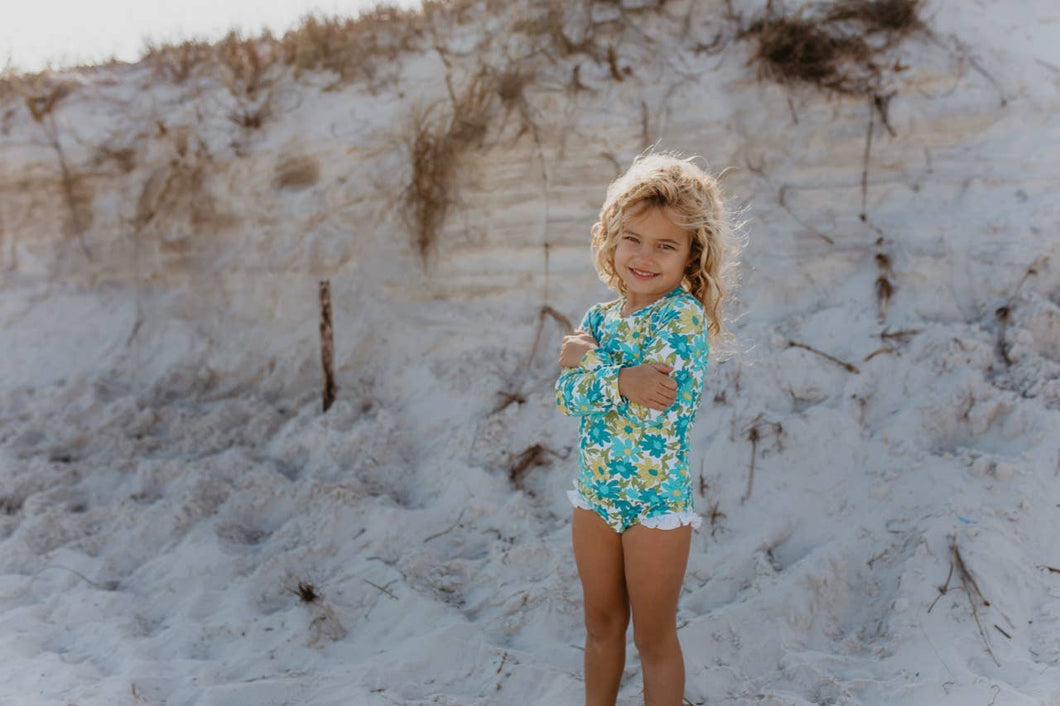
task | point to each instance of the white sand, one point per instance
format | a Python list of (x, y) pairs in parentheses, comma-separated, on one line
[(167, 477)]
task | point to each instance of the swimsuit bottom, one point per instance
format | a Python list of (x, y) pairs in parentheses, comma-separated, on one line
[(665, 521)]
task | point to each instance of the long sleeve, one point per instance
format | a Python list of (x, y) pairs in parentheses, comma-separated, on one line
[(680, 340), (633, 460), (592, 386)]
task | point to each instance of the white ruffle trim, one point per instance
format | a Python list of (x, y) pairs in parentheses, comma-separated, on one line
[(577, 500), (671, 520)]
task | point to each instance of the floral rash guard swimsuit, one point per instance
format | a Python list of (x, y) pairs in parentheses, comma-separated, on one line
[(633, 459)]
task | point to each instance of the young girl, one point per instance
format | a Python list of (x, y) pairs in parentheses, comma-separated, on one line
[(634, 373)]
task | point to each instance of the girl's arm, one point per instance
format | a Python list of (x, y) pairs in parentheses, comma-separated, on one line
[(580, 392), (591, 381), (592, 386), (574, 347), (680, 341)]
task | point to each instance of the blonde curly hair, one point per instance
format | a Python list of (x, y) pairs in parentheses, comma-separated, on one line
[(692, 199)]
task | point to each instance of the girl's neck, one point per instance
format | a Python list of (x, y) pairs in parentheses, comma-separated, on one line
[(633, 303)]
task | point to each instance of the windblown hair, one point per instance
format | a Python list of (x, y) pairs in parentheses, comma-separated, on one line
[(692, 199)]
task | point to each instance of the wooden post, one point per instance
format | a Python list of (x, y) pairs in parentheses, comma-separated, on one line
[(326, 343)]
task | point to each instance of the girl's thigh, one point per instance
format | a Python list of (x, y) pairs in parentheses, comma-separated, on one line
[(599, 555), (654, 563)]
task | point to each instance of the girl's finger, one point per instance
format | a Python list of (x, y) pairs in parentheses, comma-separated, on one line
[(669, 384)]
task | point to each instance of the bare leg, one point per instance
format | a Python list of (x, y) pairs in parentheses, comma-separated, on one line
[(598, 552), (655, 562)]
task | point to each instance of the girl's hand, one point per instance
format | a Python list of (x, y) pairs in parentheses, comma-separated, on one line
[(649, 385), (574, 347)]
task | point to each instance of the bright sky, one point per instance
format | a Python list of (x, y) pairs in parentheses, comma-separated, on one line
[(67, 32)]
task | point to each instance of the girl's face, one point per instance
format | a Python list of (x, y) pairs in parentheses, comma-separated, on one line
[(651, 256)]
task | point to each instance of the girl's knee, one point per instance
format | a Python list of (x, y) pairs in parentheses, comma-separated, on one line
[(606, 625), (653, 640)]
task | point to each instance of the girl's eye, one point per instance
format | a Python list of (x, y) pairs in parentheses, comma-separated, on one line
[(667, 246), (630, 238)]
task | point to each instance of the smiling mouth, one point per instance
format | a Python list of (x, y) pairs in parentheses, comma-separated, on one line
[(641, 274)]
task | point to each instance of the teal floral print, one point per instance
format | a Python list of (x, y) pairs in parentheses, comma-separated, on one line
[(633, 460)]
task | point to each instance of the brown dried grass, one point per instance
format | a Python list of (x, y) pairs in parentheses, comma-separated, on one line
[(798, 50), (244, 61), (836, 51), (351, 47), (41, 93), (535, 455), (899, 16), (249, 72), (437, 139), (247, 66), (179, 62), (511, 84), (247, 63)]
